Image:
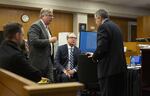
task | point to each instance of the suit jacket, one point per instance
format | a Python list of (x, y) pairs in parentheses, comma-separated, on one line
[(109, 52), (39, 46), (13, 59), (61, 58)]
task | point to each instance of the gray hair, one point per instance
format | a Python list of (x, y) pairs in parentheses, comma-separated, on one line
[(71, 35), (45, 11), (101, 12)]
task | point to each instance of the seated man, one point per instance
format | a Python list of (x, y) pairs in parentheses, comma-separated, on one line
[(11, 56), (66, 60)]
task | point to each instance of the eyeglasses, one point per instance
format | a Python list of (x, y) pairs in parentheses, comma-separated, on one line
[(73, 37), (52, 16)]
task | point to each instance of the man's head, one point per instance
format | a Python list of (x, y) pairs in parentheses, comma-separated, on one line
[(100, 15), (14, 32), (71, 39), (46, 15)]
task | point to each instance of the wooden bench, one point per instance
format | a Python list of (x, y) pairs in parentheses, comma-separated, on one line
[(14, 85)]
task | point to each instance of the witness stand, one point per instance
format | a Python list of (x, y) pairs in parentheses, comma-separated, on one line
[(15, 85)]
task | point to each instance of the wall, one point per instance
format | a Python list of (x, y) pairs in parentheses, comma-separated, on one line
[(121, 21), (82, 6), (62, 22), (143, 29)]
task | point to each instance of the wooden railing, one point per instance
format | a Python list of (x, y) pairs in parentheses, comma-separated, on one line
[(15, 85)]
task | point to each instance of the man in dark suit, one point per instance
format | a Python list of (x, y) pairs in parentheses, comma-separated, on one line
[(11, 56), (40, 44), (110, 56), (66, 59)]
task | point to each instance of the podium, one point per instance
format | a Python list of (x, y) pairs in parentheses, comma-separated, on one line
[(87, 73), (87, 70)]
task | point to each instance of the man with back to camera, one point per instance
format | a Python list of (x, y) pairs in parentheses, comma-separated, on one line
[(66, 60), (110, 58), (40, 44), (11, 56)]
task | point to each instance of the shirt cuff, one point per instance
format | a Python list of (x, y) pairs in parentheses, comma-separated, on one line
[(74, 70)]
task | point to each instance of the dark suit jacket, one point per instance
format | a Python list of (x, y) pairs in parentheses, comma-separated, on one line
[(61, 58), (109, 52), (39, 46), (12, 59)]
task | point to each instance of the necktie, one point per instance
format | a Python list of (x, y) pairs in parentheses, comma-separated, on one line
[(71, 58), (49, 36), (48, 33)]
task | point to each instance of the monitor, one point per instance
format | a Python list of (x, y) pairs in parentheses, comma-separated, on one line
[(137, 59), (88, 41)]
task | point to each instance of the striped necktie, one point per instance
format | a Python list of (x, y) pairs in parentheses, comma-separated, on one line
[(71, 58)]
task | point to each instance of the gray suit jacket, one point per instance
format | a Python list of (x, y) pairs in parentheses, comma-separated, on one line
[(40, 49)]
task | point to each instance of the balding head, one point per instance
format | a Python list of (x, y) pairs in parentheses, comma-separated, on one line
[(71, 35), (71, 39)]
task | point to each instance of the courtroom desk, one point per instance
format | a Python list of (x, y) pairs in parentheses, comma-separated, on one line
[(133, 81), (87, 72), (145, 71)]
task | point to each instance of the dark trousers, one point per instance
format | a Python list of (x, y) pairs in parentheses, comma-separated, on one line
[(115, 85), (48, 72)]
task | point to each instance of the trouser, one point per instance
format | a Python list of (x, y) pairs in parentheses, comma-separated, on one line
[(115, 85), (48, 72)]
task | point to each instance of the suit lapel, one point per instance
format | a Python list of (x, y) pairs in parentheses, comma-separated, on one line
[(74, 51), (43, 29), (106, 20), (50, 31), (66, 50)]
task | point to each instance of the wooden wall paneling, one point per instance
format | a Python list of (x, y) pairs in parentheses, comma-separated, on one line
[(140, 32), (143, 23), (122, 23), (69, 23), (14, 15), (146, 25), (91, 23), (62, 22)]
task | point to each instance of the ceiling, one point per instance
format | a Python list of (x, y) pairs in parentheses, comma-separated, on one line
[(145, 4)]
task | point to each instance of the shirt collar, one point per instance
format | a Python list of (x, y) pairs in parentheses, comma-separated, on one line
[(104, 20), (69, 46), (43, 23)]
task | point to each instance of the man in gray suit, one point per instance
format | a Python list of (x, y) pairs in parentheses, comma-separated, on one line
[(40, 44)]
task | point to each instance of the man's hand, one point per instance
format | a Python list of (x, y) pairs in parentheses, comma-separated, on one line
[(66, 73), (89, 54), (53, 39), (71, 72)]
